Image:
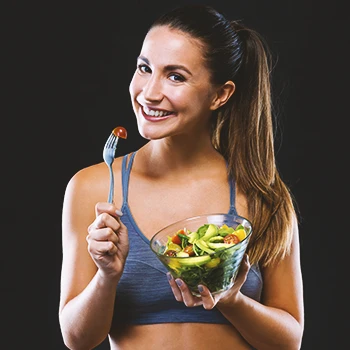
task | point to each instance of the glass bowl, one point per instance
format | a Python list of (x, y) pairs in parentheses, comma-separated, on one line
[(206, 249)]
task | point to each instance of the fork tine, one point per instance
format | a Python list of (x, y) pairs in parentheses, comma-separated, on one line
[(110, 140), (115, 142)]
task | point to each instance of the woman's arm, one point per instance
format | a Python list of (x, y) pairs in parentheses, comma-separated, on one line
[(95, 246), (277, 322)]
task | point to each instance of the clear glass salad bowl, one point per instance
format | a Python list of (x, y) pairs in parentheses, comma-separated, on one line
[(205, 249)]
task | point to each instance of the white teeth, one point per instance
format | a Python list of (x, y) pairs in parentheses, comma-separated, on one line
[(153, 113)]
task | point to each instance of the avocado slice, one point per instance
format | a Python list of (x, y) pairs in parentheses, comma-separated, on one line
[(219, 245), (224, 231), (192, 237), (212, 231), (195, 260), (216, 239), (203, 246), (182, 255)]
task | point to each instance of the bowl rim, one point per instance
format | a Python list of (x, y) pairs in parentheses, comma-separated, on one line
[(197, 217)]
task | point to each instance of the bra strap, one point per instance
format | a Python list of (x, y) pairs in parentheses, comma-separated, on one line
[(233, 197)]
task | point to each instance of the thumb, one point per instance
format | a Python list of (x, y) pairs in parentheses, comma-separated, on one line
[(122, 232)]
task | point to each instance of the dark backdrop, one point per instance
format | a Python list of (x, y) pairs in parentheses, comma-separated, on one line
[(67, 71)]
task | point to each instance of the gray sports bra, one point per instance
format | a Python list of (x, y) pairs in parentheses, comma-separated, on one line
[(143, 293)]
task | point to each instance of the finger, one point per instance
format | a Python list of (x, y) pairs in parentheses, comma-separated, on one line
[(105, 220), (104, 207), (102, 248), (122, 228), (104, 234), (123, 236), (188, 298), (208, 300), (174, 287)]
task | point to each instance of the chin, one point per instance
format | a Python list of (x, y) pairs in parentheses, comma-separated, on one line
[(149, 131), (151, 136), (148, 134)]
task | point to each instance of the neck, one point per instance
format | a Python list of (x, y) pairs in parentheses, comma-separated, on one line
[(177, 155)]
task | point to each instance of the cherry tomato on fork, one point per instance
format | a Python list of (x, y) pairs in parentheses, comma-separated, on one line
[(120, 132)]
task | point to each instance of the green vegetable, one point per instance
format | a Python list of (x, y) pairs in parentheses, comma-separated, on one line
[(215, 263), (182, 255), (192, 237), (212, 231), (195, 261), (219, 245), (203, 246)]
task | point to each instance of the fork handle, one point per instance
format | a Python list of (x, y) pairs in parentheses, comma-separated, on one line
[(111, 185)]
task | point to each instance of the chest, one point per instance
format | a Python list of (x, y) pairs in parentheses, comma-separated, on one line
[(155, 204)]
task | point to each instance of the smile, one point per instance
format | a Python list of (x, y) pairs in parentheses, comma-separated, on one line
[(155, 113)]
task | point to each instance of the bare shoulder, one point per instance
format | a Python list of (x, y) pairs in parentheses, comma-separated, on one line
[(91, 183)]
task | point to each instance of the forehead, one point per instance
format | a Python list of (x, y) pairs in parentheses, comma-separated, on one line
[(170, 46)]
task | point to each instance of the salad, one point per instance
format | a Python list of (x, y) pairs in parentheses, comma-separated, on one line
[(210, 255)]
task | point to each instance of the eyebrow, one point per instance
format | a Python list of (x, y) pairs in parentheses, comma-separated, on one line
[(169, 67)]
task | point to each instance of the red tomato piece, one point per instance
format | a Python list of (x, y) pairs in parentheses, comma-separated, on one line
[(120, 132), (176, 239), (170, 253), (182, 231), (189, 250), (231, 238)]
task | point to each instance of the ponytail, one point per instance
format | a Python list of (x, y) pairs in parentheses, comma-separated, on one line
[(244, 134)]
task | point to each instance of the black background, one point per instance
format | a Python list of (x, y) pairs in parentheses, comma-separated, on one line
[(66, 73)]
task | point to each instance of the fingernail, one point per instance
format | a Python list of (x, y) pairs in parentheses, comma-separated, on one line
[(178, 282), (119, 212), (169, 276), (200, 289)]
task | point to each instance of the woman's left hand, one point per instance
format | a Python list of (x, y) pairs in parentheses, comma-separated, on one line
[(183, 294)]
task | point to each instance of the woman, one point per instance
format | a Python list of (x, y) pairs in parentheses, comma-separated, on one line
[(201, 96)]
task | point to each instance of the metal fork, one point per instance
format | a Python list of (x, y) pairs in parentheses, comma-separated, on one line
[(108, 156)]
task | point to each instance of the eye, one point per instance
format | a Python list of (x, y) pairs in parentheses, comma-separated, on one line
[(143, 68), (176, 77)]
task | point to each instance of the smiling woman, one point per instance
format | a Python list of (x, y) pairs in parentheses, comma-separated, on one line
[(201, 97), (173, 85)]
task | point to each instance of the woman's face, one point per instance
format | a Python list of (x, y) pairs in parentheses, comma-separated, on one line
[(171, 91)]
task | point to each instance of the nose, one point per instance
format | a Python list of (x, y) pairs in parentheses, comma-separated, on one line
[(152, 90)]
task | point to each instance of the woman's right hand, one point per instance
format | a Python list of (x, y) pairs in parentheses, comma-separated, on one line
[(108, 242), (183, 294)]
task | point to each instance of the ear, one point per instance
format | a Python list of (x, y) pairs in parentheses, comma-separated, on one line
[(223, 94)]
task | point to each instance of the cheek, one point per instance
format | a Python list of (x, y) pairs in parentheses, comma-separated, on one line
[(134, 86), (184, 99), (177, 97), (190, 101)]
